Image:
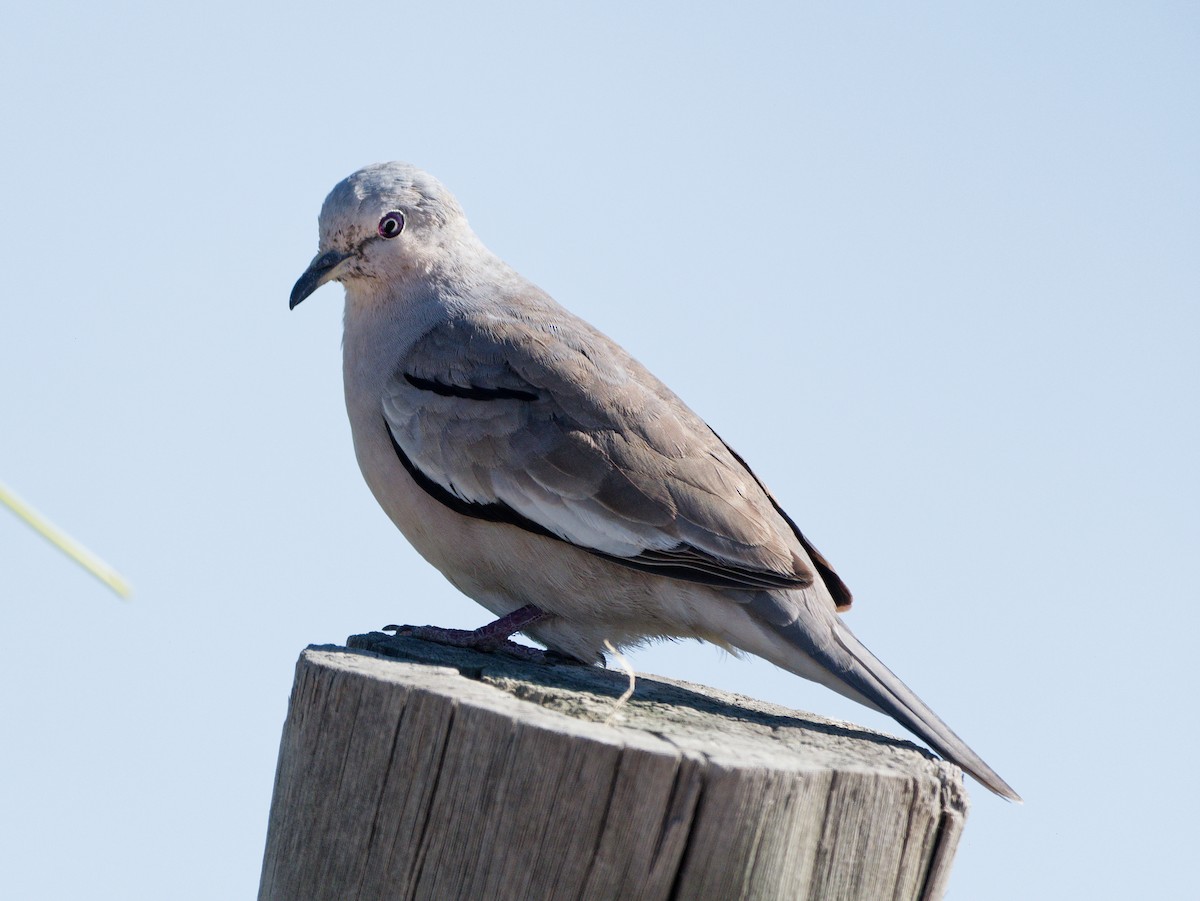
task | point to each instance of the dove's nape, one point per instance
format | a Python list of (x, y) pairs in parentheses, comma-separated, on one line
[(534, 462)]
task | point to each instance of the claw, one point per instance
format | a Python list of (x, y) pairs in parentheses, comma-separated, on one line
[(490, 638)]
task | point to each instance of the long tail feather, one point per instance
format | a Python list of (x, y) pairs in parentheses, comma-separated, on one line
[(861, 676), (872, 678)]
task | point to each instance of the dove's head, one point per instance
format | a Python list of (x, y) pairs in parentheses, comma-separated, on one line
[(385, 222)]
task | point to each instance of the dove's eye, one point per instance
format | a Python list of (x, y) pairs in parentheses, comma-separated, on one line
[(391, 224)]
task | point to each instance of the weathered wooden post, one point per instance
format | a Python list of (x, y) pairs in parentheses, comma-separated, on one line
[(448, 774)]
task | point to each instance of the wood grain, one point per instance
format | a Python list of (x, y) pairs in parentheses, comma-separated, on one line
[(415, 771)]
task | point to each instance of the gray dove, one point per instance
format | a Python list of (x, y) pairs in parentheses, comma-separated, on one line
[(552, 478)]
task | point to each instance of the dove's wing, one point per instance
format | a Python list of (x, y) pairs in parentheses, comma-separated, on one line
[(528, 418)]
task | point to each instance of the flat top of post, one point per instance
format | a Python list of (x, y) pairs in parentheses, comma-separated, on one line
[(724, 727)]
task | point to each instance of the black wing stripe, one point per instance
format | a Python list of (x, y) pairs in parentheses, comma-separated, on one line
[(470, 392), (842, 598), (686, 563), (494, 512), (693, 561)]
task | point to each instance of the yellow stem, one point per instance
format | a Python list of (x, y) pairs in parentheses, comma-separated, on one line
[(65, 543)]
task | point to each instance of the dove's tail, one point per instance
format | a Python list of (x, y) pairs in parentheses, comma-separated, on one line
[(861, 676)]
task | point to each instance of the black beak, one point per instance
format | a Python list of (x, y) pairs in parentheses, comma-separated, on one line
[(319, 271)]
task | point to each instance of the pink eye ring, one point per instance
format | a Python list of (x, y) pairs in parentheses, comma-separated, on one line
[(391, 224)]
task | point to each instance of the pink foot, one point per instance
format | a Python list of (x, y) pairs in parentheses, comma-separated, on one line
[(492, 637)]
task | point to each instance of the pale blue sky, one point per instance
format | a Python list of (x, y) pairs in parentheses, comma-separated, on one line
[(931, 269)]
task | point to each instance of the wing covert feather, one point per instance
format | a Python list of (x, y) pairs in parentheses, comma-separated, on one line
[(563, 427)]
